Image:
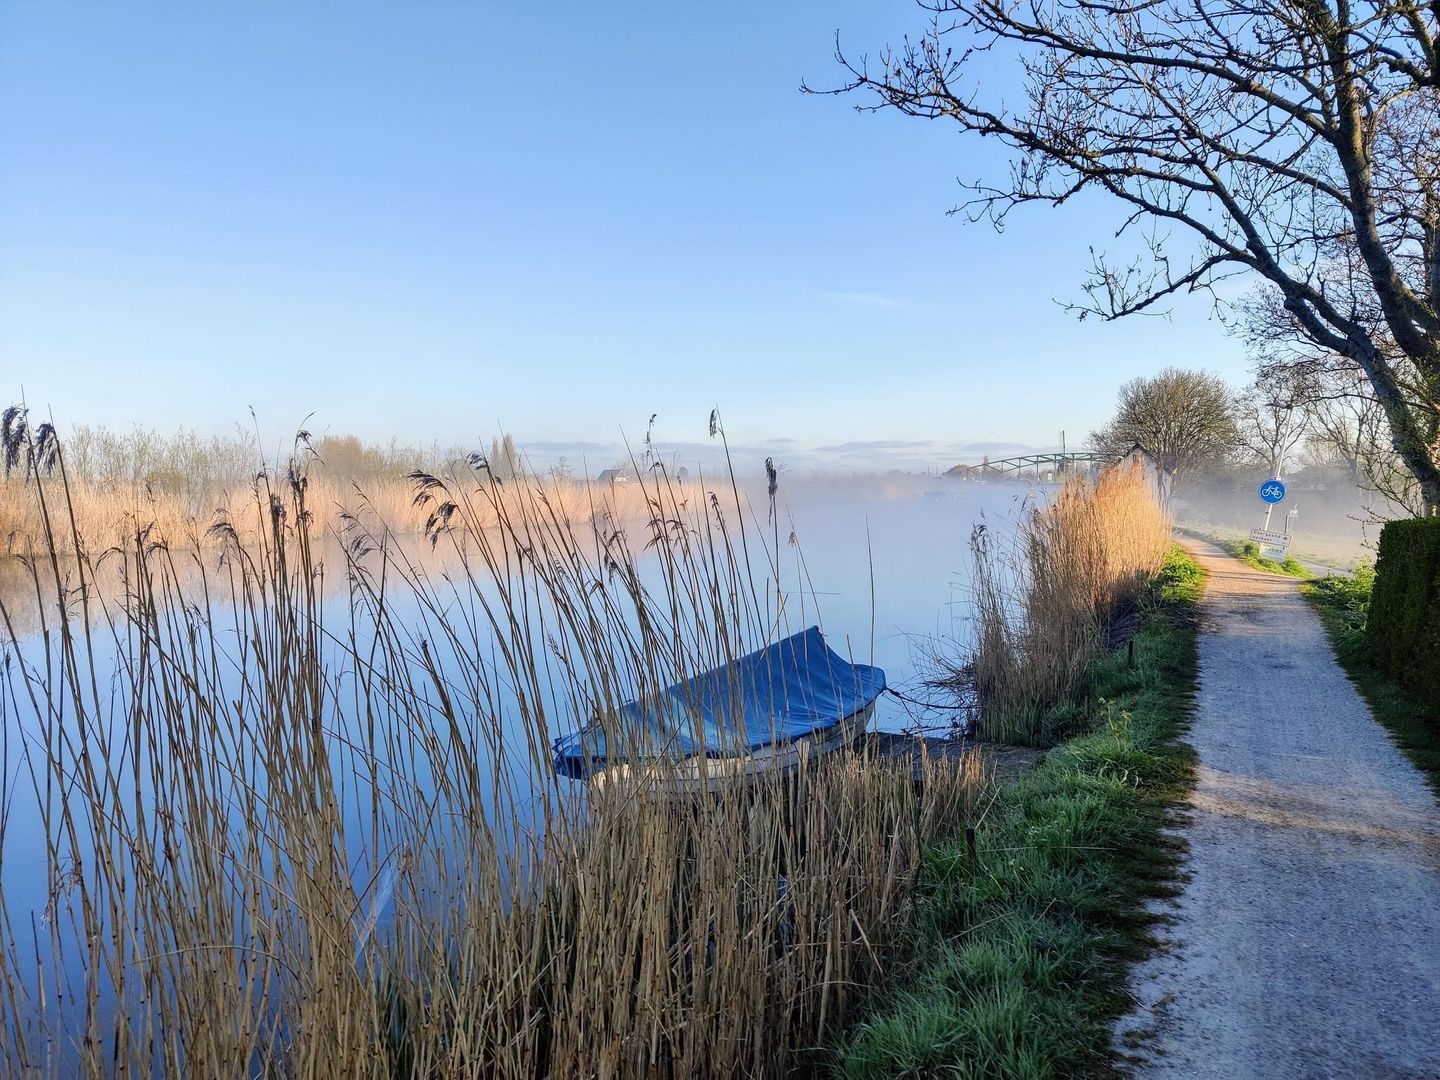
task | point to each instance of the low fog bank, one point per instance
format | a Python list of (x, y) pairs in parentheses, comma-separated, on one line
[(1332, 517), (186, 459), (887, 570)]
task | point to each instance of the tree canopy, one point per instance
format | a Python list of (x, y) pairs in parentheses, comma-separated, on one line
[(1184, 418), (1268, 428)]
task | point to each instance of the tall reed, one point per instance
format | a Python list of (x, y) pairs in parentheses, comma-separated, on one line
[(289, 838), (105, 514), (1045, 600)]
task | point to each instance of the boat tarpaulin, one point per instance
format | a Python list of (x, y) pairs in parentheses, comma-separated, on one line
[(785, 691)]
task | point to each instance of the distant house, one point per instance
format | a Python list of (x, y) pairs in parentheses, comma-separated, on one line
[(613, 476), (1159, 477)]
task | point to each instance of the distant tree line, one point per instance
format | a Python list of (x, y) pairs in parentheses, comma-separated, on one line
[(187, 464)]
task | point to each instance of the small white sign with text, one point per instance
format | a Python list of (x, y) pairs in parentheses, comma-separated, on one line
[(1273, 545), (1267, 538)]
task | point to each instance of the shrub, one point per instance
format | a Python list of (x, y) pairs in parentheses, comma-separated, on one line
[(1403, 627), (1348, 597)]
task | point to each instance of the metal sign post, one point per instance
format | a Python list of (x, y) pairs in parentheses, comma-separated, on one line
[(1272, 545)]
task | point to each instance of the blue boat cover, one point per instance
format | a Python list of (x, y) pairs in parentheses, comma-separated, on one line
[(785, 691)]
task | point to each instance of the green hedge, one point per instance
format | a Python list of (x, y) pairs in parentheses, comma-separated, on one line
[(1403, 630)]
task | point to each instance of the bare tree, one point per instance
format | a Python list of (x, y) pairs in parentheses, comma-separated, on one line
[(1184, 418), (1345, 425), (1269, 425), (1296, 140)]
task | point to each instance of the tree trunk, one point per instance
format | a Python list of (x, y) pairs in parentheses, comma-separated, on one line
[(1420, 459), (1430, 497), (1420, 455)]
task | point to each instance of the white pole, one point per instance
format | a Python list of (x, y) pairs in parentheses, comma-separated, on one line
[(1269, 506)]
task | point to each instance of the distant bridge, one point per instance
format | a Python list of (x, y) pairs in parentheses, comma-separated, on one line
[(1040, 465)]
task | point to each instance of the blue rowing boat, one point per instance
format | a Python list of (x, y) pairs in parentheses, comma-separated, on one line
[(765, 711)]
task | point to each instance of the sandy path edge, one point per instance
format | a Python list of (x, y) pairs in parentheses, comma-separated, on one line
[(1306, 942)]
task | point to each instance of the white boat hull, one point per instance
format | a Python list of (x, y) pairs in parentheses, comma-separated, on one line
[(701, 773)]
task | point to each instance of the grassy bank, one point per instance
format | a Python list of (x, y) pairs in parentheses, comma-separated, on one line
[(1019, 956), (1343, 604), (1335, 552), (1248, 552)]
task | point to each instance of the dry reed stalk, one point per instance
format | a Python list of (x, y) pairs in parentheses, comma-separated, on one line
[(286, 840), (1044, 606)]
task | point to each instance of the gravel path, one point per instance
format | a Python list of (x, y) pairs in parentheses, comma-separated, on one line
[(1307, 940)]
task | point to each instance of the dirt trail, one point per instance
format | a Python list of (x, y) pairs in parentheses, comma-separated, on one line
[(1307, 940)]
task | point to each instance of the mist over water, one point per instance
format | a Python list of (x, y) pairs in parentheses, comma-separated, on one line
[(1331, 519), (883, 562), (909, 540)]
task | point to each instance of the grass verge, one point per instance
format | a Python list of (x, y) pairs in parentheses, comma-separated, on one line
[(1020, 953), (1248, 552), (1343, 605), (1333, 552)]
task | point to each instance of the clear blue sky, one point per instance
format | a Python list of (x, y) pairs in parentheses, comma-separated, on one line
[(429, 220)]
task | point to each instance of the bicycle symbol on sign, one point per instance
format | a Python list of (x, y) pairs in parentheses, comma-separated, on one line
[(1272, 491)]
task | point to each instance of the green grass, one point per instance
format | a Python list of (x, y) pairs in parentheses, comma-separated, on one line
[(1289, 566), (1344, 605), (1018, 964), (1338, 553), (1248, 552)]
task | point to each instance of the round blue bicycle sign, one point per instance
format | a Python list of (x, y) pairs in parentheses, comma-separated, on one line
[(1272, 491)]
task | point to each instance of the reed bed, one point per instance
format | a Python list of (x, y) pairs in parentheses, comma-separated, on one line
[(285, 836), (175, 486), (106, 514), (1046, 599)]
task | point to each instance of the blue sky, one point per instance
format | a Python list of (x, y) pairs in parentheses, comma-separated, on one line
[(429, 221)]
